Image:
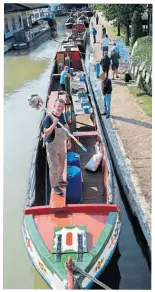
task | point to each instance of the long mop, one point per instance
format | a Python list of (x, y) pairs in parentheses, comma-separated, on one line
[(36, 102)]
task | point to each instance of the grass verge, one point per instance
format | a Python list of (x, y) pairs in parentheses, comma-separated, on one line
[(143, 100)]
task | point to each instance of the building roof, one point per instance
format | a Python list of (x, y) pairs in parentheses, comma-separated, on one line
[(23, 6)]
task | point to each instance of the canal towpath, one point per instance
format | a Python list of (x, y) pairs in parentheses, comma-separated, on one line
[(133, 129)]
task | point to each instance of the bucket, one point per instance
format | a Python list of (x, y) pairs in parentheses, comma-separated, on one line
[(86, 109)]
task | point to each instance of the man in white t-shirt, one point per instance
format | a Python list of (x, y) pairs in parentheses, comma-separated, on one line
[(105, 43)]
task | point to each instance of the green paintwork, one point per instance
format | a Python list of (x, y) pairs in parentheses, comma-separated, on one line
[(69, 251), (89, 259)]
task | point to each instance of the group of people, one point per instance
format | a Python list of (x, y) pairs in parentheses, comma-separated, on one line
[(107, 61), (112, 60)]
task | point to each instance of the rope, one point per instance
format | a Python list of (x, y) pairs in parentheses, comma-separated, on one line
[(92, 278), (74, 267)]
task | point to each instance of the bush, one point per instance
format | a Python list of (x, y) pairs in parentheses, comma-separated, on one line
[(142, 52)]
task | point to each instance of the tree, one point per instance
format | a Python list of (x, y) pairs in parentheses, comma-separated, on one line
[(136, 27), (122, 14)]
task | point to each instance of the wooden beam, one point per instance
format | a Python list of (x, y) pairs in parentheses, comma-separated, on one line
[(80, 208)]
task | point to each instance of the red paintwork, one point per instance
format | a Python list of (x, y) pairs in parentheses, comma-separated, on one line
[(70, 278), (29, 244), (73, 54), (111, 242), (46, 224), (57, 201), (69, 237), (79, 27), (76, 56), (40, 210)]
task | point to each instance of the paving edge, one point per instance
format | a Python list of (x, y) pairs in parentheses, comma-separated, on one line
[(125, 171)]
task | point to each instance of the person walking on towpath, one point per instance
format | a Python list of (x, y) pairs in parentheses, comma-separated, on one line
[(107, 90), (105, 63), (114, 55), (55, 145), (97, 18), (105, 43), (115, 48), (94, 33), (103, 31), (64, 73)]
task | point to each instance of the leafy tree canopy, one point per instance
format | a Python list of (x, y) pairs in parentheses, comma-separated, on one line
[(121, 13)]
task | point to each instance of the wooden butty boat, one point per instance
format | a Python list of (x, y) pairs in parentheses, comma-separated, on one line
[(71, 238)]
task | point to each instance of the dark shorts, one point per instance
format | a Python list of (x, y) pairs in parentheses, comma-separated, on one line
[(115, 67), (105, 49), (106, 70)]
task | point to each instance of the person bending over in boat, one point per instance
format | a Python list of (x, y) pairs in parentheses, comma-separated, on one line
[(106, 90), (64, 73), (55, 145)]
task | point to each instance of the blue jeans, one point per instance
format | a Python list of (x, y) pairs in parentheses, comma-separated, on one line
[(107, 103)]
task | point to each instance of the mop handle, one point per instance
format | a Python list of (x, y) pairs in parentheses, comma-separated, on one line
[(67, 132)]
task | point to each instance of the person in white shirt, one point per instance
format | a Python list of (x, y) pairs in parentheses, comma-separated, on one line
[(105, 43)]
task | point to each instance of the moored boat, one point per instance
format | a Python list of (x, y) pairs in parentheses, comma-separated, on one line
[(71, 238), (79, 36), (28, 37)]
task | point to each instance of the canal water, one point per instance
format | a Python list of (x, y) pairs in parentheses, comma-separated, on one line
[(25, 73)]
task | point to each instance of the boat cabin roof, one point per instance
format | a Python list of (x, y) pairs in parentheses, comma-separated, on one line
[(67, 47)]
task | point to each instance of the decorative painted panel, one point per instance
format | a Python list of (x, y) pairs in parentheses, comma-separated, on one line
[(69, 237)]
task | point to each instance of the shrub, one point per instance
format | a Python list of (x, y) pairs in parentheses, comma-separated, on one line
[(142, 52)]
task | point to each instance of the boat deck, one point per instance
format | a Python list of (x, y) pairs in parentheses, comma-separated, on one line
[(92, 186)]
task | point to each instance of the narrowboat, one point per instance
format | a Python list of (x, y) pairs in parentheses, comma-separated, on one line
[(79, 35), (71, 238), (38, 33)]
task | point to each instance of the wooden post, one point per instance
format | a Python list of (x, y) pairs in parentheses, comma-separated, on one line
[(70, 278)]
